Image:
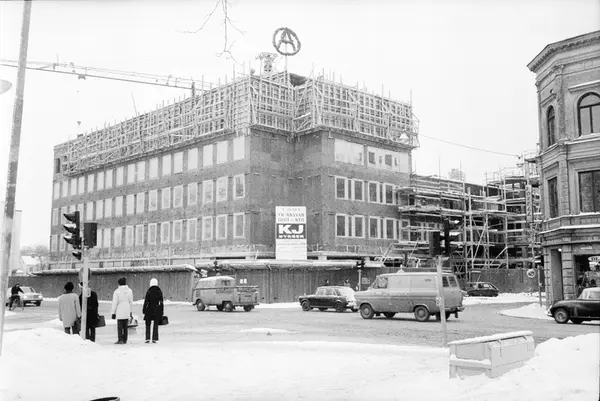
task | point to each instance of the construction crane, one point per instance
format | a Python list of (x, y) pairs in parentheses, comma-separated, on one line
[(115, 75)]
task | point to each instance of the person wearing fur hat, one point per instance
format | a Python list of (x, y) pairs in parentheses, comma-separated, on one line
[(153, 309), (122, 306)]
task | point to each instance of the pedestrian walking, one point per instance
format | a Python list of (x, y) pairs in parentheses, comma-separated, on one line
[(153, 310), (92, 315), (69, 310), (122, 306)]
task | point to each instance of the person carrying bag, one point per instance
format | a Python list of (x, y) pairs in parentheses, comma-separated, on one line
[(122, 307), (153, 310)]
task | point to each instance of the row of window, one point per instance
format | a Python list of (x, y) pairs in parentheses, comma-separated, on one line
[(353, 189), (164, 166), (165, 232), (353, 226), (169, 198), (588, 117), (589, 193), (354, 153)]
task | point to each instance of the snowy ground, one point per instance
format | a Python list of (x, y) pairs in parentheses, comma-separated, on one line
[(505, 298), (565, 370)]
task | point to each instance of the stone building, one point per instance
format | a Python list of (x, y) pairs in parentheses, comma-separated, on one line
[(568, 87)]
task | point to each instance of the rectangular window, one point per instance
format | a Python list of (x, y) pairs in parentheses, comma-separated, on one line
[(207, 228), (166, 198), (165, 233), (141, 171), (388, 160), (118, 206), (139, 234), (61, 245), (191, 230), (73, 186), (207, 191), (389, 194), (128, 236), (359, 224), (373, 192), (192, 161), (238, 224), (222, 149), (130, 204), (54, 217), (152, 200), (239, 148), (106, 238), (177, 230), (100, 180), (65, 188), (56, 192), (239, 182), (222, 189), (118, 237), (389, 228), (153, 168), (166, 165), (222, 226), (152, 234), (340, 225), (340, 188), (372, 161), (553, 198), (108, 204), (53, 242), (192, 194), (120, 173), (99, 238), (109, 178), (373, 227), (131, 173), (348, 152), (140, 206), (89, 211), (99, 209), (589, 191), (358, 190), (178, 196), (177, 162), (207, 156), (81, 184)]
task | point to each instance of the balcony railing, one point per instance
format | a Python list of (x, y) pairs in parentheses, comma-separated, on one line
[(578, 221)]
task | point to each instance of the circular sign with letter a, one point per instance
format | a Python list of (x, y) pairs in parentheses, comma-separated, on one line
[(531, 273)]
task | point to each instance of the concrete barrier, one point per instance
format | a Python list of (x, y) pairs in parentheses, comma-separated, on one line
[(492, 355)]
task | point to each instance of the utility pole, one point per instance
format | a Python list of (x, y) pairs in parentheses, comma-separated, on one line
[(84, 291), (442, 301), (13, 163)]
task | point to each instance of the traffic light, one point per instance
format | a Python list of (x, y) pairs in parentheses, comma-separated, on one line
[(435, 247), (360, 264), (90, 234), (74, 236), (217, 268), (447, 238)]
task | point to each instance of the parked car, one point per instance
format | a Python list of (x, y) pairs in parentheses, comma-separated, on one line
[(585, 307), (410, 293), (482, 289), (222, 292), (339, 298)]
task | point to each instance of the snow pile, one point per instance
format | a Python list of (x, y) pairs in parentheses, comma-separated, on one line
[(282, 305), (504, 298), (531, 311), (565, 370), (8, 313)]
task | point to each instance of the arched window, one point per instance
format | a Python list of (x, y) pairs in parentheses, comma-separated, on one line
[(588, 112), (551, 126)]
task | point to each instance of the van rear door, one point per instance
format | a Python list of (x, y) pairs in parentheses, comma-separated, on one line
[(452, 293)]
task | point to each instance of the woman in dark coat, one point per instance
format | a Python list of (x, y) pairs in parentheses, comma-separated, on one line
[(153, 309), (92, 315)]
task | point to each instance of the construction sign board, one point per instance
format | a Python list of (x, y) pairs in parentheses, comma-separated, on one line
[(290, 233)]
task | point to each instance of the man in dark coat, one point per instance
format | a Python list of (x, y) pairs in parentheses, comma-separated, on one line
[(14, 294), (153, 309), (92, 315)]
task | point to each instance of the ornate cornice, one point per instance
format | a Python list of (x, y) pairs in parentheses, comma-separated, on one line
[(553, 48)]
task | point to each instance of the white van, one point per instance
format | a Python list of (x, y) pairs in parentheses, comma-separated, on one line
[(409, 293)]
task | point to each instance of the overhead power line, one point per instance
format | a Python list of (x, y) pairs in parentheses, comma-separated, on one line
[(469, 147)]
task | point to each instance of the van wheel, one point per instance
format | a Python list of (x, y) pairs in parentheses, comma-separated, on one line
[(200, 305), (228, 306), (306, 306), (366, 311), (339, 307), (220, 308), (248, 308), (422, 314), (389, 315)]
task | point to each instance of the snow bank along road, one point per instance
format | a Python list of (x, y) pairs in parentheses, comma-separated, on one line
[(291, 324)]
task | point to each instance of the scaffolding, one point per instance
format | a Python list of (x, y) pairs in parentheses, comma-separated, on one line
[(282, 101)]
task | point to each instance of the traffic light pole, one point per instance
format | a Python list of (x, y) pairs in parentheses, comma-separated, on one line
[(84, 291), (442, 302), (13, 163)]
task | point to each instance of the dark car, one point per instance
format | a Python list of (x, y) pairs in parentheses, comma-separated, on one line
[(339, 298), (586, 307), (482, 289)]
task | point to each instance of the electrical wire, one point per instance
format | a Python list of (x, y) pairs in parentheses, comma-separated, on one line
[(469, 147)]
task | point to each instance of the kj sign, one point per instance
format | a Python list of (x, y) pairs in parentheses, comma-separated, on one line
[(290, 232)]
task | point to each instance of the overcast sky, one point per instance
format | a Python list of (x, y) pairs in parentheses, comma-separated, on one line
[(464, 62)]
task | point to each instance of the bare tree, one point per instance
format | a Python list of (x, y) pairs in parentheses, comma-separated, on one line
[(227, 23)]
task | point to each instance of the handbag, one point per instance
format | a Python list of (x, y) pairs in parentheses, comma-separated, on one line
[(163, 321), (132, 322), (100, 322)]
